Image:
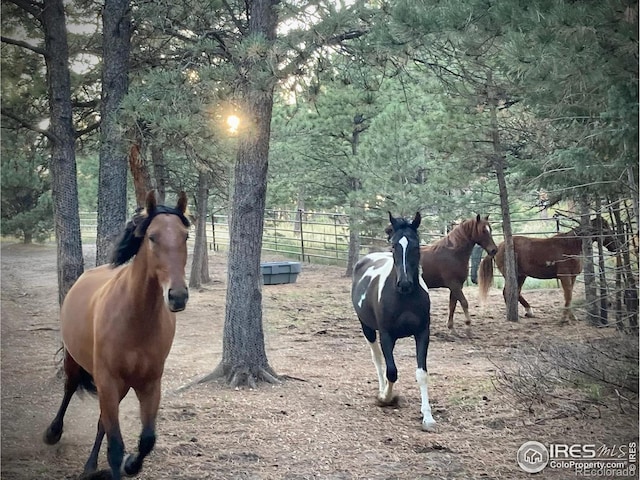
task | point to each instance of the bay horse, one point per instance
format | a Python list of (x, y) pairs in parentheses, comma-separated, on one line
[(546, 258), (445, 263), (117, 324), (390, 297)]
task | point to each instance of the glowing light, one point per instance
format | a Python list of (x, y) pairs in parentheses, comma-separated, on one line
[(233, 121)]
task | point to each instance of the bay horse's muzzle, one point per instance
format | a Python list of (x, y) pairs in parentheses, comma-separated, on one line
[(177, 299)]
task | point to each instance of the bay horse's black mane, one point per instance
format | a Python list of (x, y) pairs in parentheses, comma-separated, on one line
[(131, 238)]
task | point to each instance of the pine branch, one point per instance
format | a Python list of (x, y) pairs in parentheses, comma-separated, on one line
[(32, 8), (20, 43), (87, 129), (7, 113), (305, 55), (85, 104), (235, 19)]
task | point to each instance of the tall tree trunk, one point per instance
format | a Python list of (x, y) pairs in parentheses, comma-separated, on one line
[(244, 359), (200, 261), (139, 172), (159, 172), (602, 274), (499, 163), (589, 274), (353, 254), (64, 184), (112, 175)]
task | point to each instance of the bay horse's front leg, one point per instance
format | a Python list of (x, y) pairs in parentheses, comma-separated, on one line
[(110, 393), (422, 346), (149, 398), (92, 462)]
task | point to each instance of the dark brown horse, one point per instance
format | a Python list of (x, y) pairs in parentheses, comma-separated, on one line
[(117, 324), (445, 263), (545, 258)]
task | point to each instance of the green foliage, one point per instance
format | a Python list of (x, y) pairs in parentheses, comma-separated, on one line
[(27, 209)]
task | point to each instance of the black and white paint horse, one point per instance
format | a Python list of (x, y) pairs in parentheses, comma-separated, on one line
[(390, 296)]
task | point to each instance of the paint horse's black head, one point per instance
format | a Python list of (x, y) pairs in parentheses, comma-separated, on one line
[(405, 245)]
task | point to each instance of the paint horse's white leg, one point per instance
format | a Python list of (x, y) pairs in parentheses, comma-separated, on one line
[(385, 388), (428, 423), (528, 312)]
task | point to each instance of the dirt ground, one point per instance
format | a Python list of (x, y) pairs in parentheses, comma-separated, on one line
[(324, 423)]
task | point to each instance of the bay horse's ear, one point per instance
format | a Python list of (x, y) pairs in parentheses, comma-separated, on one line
[(486, 218), (478, 217), (182, 202), (416, 221), (150, 203)]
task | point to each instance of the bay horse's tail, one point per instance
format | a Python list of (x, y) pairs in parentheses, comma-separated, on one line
[(485, 277), (83, 378), (86, 382)]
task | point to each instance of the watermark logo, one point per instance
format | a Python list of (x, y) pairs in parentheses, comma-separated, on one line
[(588, 460), (533, 457)]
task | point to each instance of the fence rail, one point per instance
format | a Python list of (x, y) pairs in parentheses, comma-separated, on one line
[(321, 237)]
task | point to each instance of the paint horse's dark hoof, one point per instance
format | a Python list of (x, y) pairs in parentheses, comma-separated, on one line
[(52, 435), (99, 475), (393, 402)]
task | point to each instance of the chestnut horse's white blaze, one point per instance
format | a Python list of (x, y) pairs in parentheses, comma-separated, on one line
[(390, 297)]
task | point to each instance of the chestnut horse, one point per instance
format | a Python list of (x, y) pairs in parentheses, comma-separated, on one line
[(445, 263), (390, 297), (545, 258), (117, 324)]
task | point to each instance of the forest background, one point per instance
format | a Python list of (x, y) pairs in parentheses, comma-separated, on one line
[(451, 108)]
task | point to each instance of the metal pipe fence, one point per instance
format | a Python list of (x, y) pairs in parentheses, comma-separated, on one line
[(322, 237)]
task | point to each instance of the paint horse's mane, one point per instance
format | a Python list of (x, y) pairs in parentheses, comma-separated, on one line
[(131, 238)]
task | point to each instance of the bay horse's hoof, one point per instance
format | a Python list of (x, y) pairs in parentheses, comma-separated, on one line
[(130, 465), (52, 435), (429, 426)]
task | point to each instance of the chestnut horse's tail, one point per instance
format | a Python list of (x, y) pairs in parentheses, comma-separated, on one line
[(485, 277)]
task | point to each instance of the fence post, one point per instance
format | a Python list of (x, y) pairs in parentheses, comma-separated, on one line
[(213, 232), (335, 233), (276, 215), (301, 236)]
